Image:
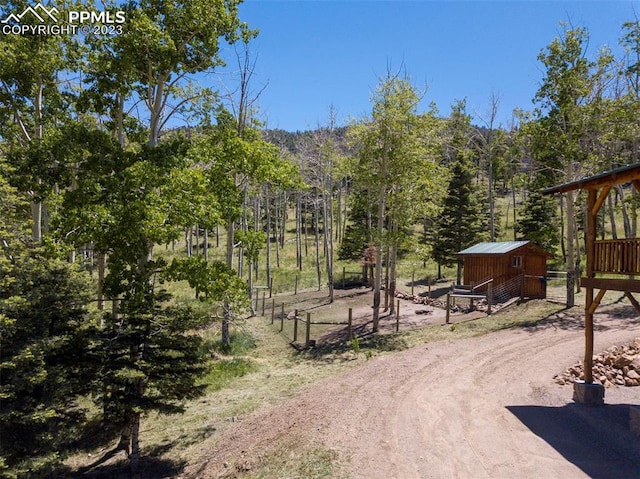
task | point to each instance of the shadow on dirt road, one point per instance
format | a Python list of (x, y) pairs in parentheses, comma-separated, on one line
[(596, 439)]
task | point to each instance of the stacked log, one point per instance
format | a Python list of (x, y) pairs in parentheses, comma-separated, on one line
[(478, 304), (617, 366)]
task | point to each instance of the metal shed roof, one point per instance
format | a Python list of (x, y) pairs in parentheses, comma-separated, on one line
[(494, 248)]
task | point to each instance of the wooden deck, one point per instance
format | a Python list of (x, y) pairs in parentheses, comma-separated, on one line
[(621, 256)]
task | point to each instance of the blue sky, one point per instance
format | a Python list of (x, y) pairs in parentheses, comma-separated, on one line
[(314, 54)]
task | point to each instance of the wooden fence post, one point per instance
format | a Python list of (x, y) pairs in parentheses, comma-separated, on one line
[(270, 287), (448, 307), (489, 298), (295, 325), (398, 317), (413, 280), (282, 319), (264, 294), (350, 324), (308, 335), (344, 272), (257, 299), (273, 309)]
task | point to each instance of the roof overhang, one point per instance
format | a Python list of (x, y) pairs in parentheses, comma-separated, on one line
[(617, 176)]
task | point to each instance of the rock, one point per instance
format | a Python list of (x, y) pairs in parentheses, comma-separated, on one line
[(631, 382), (619, 365), (623, 360)]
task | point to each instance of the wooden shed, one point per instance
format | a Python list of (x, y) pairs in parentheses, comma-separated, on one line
[(517, 268)]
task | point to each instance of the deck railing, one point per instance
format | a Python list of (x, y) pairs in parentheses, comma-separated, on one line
[(620, 256)]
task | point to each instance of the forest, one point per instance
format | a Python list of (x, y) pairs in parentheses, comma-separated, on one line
[(140, 210)]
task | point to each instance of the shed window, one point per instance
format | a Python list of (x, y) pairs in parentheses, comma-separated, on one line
[(516, 261)]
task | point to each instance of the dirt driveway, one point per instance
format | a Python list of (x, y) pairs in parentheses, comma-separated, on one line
[(484, 407)]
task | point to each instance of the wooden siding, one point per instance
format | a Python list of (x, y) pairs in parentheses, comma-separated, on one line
[(617, 256), (500, 267)]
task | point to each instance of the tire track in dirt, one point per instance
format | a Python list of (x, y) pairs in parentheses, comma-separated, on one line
[(446, 414), (454, 409)]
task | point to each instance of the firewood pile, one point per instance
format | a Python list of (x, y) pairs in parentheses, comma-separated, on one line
[(617, 366)]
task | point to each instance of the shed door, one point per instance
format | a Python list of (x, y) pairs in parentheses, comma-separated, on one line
[(535, 284)]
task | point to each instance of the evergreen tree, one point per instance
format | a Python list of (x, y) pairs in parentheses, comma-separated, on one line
[(358, 232), (45, 358), (461, 223), (539, 221)]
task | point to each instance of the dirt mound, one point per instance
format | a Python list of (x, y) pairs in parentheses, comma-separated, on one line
[(617, 366)]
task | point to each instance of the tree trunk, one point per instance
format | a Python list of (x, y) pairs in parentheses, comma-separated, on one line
[(317, 237), (134, 459), (36, 218), (563, 243), (225, 336), (250, 290), (393, 257), (328, 241), (102, 266), (205, 246), (267, 203), (377, 284), (283, 222), (634, 213), (298, 231), (612, 217), (570, 264), (513, 197), (625, 212)]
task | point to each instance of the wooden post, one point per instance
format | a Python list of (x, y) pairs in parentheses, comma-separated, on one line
[(282, 319), (273, 309), (448, 307), (413, 280), (295, 325), (257, 299), (489, 298), (264, 295), (398, 317), (308, 335), (386, 293), (350, 324), (592, 213), (344, 273), (473, 291), (270, 287)]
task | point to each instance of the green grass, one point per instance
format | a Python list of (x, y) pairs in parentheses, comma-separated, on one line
[(290, 463), (223, 371)]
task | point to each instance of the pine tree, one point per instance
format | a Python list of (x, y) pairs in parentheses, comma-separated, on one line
[(539, 221), (461, 223), (45, 355)]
